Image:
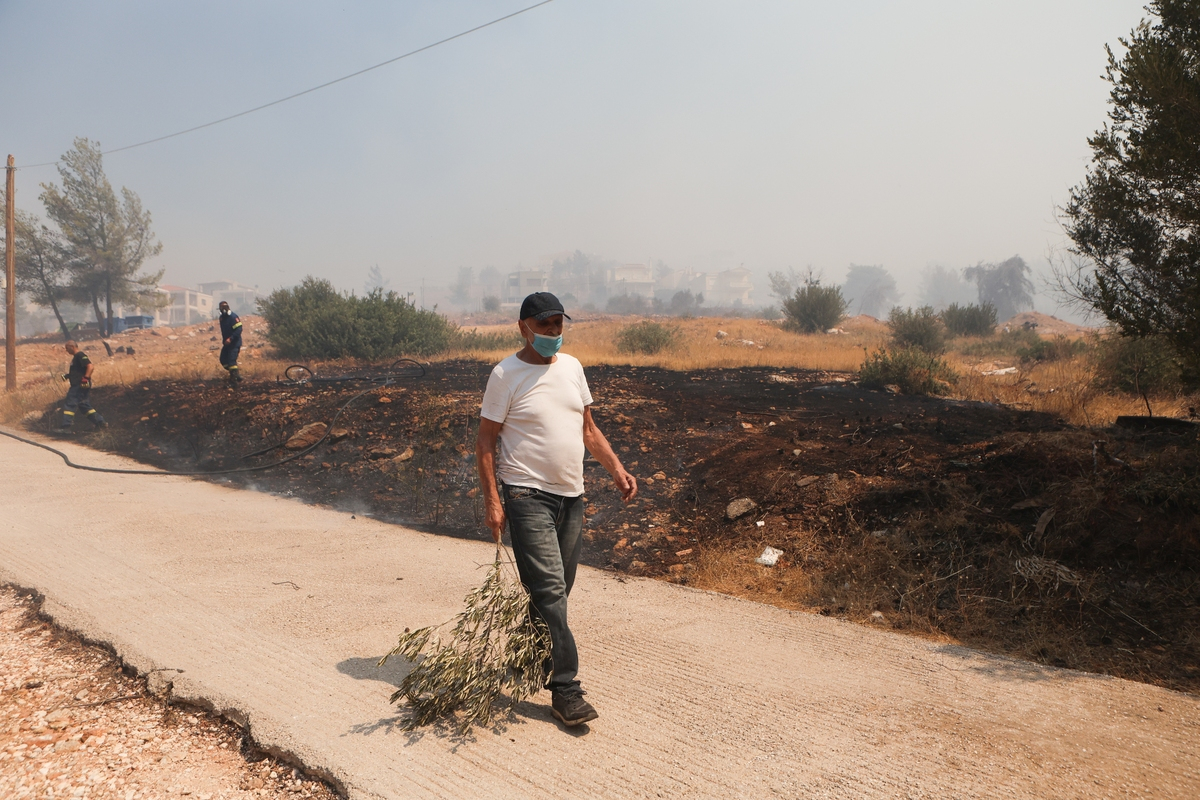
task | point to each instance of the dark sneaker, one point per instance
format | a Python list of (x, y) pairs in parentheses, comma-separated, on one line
[(571, 709)]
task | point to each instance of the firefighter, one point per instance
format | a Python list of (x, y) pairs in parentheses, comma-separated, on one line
[(80, 377), (231, 341)]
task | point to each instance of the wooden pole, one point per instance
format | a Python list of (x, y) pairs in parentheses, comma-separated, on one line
[(10, 280)]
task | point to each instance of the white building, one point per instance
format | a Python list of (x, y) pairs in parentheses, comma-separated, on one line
[(519, 285), (242, 299), (631, 279), (187, 307)]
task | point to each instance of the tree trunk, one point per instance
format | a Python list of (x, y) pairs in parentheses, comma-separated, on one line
[(62, 323), (99, 315), (108, 331)]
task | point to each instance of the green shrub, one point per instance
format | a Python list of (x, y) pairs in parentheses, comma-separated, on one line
[(912, 369), (491, 304), (970, 320), (814, 308), (1138, 365), (921, 329), (1058, 348), (647, 338), (314, 320), (1008, 343)]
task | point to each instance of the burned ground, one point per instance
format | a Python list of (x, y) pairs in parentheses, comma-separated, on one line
[(1010, 531)]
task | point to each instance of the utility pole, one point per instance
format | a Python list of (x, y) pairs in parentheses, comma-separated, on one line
[(10, 280)]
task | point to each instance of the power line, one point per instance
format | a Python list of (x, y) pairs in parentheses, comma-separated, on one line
[(315, 88)]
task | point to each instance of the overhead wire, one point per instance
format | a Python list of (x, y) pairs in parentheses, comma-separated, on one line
[(310, 90)]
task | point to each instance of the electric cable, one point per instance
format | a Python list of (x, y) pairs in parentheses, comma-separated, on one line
[(301, 374), (310, 90), (377, 382)]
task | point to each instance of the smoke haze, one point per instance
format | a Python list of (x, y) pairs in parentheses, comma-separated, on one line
[(701, 135)]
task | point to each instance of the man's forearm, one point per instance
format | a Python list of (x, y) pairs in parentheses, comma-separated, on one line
[(601, 450), (485, 460)]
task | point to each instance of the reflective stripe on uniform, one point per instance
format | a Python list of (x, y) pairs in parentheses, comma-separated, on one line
[(69, 413)]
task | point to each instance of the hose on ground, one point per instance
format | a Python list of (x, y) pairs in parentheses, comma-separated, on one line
[(400, 369), (258, 468)]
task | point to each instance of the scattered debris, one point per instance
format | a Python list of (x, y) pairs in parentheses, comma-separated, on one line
[(769, 558)]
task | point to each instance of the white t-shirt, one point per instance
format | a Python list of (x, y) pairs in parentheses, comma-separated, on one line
[(541, 408)]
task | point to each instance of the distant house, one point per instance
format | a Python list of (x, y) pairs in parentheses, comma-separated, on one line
[(518, 285), (242, 299), (631, 279), (731, 288), (187, 306)]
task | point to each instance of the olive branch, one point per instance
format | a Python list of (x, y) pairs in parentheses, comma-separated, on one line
[(497, 646)]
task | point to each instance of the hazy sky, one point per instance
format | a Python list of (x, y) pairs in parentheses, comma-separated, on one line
[(702, 133)]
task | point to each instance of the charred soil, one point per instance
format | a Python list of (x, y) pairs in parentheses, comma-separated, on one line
[(1005, 530)]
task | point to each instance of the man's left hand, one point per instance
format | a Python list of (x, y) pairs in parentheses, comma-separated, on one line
[(626, 484)]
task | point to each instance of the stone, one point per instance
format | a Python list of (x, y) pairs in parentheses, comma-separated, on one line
[(381, 451), (740, 508), (877, 617), (307, 436), (337, 434), (807, 480), (404, 456), (682, 553), (659, 476)]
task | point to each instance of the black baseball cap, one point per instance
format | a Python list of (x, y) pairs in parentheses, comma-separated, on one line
[(541, 305)]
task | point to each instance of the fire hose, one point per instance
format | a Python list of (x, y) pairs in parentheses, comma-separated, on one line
[(404, 368)]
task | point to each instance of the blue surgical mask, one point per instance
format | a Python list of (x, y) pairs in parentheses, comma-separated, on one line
[(546, 345)]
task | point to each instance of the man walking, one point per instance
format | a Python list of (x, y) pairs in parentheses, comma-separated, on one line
[(231, 341), (80, 377), (537, 404)]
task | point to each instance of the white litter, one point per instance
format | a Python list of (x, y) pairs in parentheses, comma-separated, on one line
[(760, 523), (1004, 371), (769, 557)]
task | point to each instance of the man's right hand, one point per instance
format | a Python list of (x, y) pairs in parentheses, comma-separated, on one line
[(496, 521)]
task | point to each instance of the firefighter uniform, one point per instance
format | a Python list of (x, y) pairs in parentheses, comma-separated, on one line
[(77, 396), (231, 338)]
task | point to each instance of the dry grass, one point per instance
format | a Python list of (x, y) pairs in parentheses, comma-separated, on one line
[(1062, 388), (748, 343), (38, 388)]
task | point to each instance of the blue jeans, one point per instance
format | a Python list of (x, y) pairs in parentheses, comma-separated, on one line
[(546, 532)]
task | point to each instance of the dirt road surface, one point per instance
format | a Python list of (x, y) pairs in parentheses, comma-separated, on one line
[(275, 613)]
